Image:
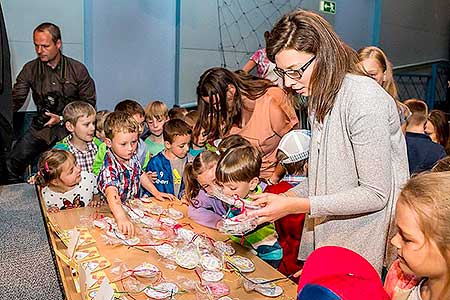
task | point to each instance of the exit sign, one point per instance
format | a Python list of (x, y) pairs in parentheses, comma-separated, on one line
[(328, 7)]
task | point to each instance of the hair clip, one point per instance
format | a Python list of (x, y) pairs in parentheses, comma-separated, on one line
[(47, 169)]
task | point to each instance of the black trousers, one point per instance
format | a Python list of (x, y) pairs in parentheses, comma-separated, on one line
[(29, 147)]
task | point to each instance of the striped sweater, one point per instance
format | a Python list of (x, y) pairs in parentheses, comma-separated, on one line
[(263, 240)]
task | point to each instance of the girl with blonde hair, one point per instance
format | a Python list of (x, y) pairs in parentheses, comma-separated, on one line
[(377, 66)]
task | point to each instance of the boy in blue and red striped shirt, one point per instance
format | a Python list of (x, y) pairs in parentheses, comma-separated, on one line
[(121, 174)]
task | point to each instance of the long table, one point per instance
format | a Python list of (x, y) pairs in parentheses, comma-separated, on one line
[(133, 257)]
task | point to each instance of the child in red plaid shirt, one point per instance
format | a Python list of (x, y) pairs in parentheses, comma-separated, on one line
[(121, 173), (79, 117)]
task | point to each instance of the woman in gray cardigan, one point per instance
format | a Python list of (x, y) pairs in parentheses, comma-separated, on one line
[(357, 159)]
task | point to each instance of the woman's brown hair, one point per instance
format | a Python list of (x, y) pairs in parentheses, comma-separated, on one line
[(50, 165), (428, 194), (201, 163), (218, 115), (308, 32), (441, 127)]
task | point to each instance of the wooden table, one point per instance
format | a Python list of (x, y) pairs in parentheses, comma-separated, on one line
[(133, 257)]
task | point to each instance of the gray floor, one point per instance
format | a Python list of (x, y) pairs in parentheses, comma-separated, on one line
[(27, 270)]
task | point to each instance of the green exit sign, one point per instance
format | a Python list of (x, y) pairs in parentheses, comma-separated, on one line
[(328, 7)]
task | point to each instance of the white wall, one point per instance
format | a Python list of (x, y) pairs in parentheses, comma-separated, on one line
[(133, 50), (22, 16)]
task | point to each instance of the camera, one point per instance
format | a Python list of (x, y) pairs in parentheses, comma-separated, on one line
[(50, 103)]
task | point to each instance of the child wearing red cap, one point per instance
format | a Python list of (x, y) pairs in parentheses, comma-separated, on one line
[(336, 273), (422, 240)]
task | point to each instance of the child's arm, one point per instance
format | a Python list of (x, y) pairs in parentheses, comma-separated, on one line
[(115, 204), (149, 186), (205, 210)]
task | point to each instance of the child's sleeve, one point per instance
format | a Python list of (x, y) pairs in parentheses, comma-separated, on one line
[(99, 158), (108, 176), (202, 211)]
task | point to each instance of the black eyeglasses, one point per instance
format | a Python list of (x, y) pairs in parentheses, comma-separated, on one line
[(294, 74)]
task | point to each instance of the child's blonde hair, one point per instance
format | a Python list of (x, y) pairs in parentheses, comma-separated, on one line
[(100, 118), (428, 194), (120, 122), (50, 165), (156, 110), (239, 164), (201, 163), (77, 109), (378, 54)]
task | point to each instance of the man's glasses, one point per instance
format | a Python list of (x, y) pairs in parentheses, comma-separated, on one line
[(294, 74)]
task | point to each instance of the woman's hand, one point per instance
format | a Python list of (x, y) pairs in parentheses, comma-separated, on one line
[(274, 207)]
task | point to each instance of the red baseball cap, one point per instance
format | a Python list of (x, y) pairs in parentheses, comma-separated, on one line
[(345, 275)]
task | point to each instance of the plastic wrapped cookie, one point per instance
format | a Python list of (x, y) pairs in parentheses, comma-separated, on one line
[(123, 238), (134, 213), (175, 214), (266, 289), (162, 291), (165, 250), (235, 227), (224, 248), (185, 234), (212, 276), (168, 221), (210, 262), (243, 264), (146, 270), (187, 257)]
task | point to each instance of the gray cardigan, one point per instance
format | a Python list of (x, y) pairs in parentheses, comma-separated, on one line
[(357, 164)]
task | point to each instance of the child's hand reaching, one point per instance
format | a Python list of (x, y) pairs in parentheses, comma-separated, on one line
[(96, 201), (152, 176), (164, 197), (125, 226), (31, 179)]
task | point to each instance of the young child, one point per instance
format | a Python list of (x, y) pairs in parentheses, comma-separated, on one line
[(79, 117), (64, 184), (423, 153), (198, 142), (237, 173), (177, 112), (231, 141), (156, 114), (199, 178), (169, 164), (134, 109), (121, 175), (100, 118), (423, 240), (293, 153)]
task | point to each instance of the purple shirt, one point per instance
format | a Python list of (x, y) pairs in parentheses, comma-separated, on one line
[(209, 210)]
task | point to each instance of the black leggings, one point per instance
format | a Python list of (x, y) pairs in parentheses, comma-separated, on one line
[(29, 147)]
